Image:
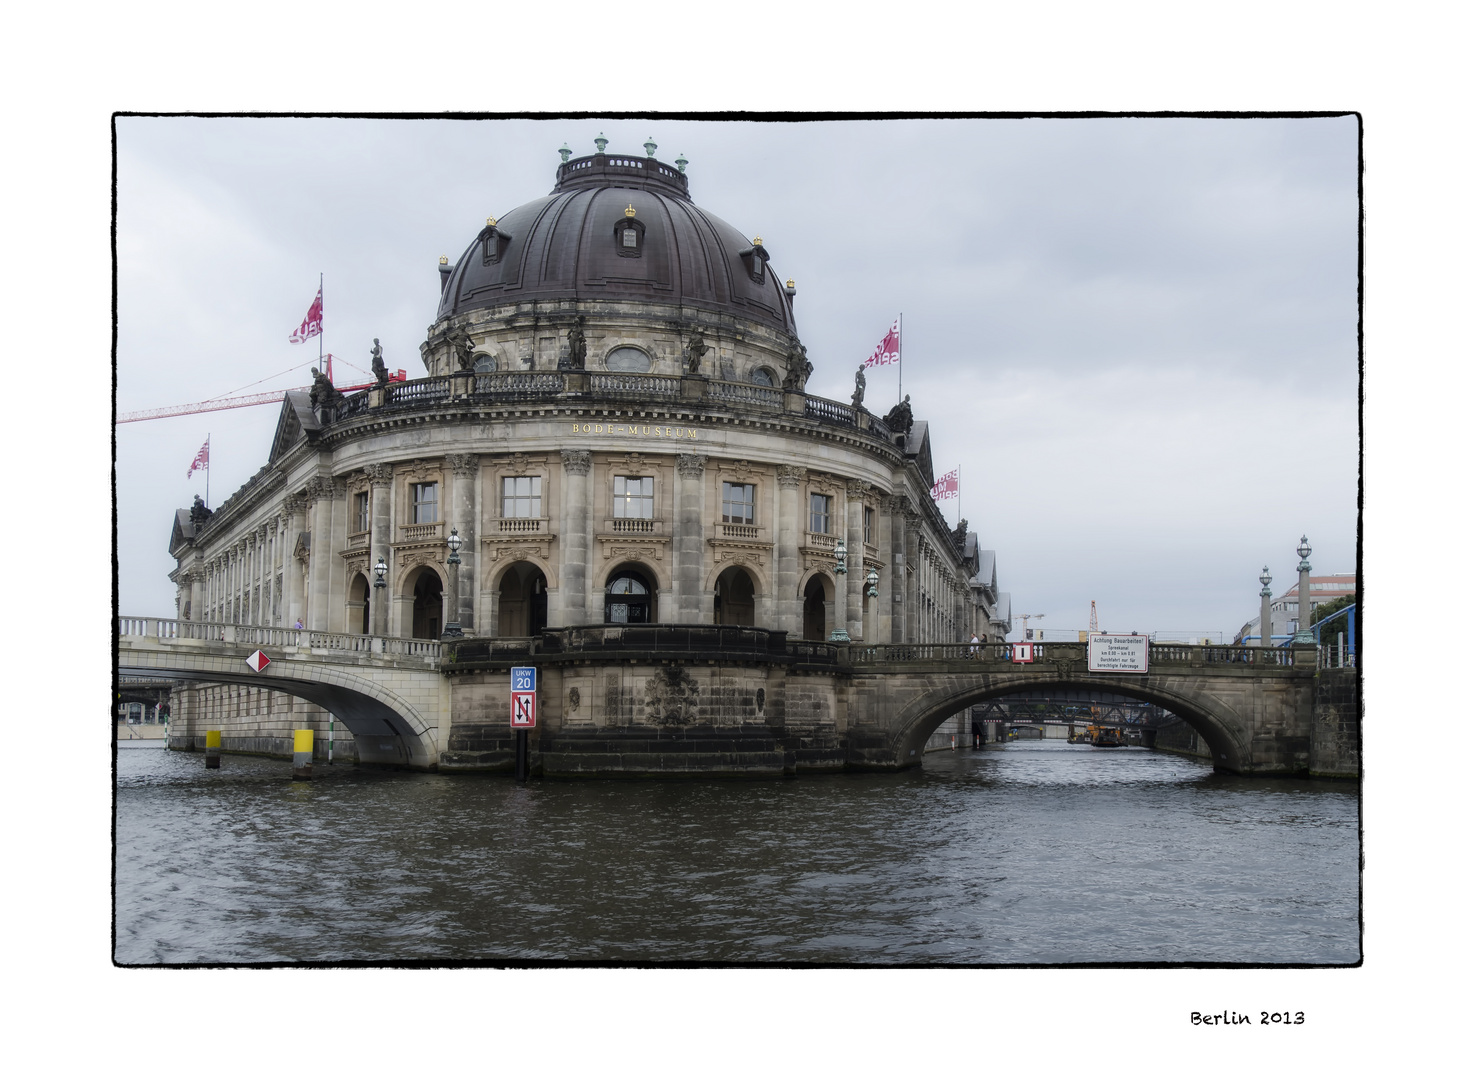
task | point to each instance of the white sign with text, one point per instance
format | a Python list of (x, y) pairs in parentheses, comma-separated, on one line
[(1117, 652)]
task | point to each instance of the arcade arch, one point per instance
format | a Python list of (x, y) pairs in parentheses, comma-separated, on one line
[(734, 598), (522, 601), (628, 596)]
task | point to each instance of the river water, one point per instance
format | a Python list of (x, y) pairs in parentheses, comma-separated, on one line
[(1037, 852)]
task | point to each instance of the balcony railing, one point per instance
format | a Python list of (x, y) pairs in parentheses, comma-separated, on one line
[(522, 526), (641, 526), (642, 387), (746, 392), (739, 532), (429, 531)]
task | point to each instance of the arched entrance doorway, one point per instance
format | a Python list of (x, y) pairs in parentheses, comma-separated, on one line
[(358, 605), (522, 601), (425, 621), (816, 608), (628, 597), (732, 601)]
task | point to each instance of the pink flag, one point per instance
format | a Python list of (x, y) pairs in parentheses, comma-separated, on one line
[(889, 351), (202, 459), (311, 326), (947, 487)]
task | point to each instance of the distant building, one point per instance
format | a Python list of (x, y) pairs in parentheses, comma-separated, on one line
[(1285, 609)]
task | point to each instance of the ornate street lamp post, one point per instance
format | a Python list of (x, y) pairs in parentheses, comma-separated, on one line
[(380, 612), (839, 634), (872, 580), (453, 565), (1304, 636), (1266, 635)]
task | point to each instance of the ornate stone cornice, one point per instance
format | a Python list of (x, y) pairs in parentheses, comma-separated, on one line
[(294, 504), (463, 464), (691, 466), (575, 462), (789, 475)]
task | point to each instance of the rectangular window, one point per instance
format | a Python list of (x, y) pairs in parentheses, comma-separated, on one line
[(870, 519), (424, 507), (819, 513), (635, 497), (361, 512), (522, 496), (737, 503)]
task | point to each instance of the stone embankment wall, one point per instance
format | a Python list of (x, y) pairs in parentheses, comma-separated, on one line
[(1336, 742), (254, 721)]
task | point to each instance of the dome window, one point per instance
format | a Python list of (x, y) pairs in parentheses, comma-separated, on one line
[(628, 358), (493, 243), (482, 362), (762, 377), (755, 258), (629, 235)]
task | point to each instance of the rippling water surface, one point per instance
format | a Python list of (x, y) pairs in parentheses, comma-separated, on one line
[(1035, 852)]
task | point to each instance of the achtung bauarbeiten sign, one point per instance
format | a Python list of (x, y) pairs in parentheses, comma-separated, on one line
[(524, 697), (1117, 652)]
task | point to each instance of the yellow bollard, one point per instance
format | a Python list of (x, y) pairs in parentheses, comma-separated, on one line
[(212, 749), (302, 754)]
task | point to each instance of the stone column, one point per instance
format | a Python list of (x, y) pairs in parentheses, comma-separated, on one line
[(320, 510), (855, 577), (1266, 625), (913, 590), (1303, 604), (381, 482), (337, 579), (248, 572), (295, 508), (787, 604), (576, 518), (462, 517), (688, 543), (895, 591)]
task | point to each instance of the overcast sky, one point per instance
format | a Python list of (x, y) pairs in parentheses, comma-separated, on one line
[(1136, 338)]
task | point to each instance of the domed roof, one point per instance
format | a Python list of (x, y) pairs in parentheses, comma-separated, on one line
[(617, 229)]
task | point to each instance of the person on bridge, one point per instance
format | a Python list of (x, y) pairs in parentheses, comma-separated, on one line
[(973, 646)]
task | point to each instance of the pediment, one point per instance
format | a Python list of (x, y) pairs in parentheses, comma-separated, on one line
[(297, 421)]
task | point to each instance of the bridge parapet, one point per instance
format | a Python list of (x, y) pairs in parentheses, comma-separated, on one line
[(293, 641), (1074, 652)]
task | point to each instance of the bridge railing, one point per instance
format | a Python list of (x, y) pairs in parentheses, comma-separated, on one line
[(279, 637)]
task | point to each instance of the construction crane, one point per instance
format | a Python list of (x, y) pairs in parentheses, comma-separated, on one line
[(1026, 619), (1094, 628), (271, 397)]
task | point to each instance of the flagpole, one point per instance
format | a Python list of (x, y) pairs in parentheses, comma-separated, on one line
[(320, 320), (899, 317), (207, 470)]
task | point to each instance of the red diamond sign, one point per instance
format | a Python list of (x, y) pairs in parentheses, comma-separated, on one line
[(258, 660)]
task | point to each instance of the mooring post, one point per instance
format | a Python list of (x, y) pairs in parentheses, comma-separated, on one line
[(212, 749), (522, 754), (302, 754)]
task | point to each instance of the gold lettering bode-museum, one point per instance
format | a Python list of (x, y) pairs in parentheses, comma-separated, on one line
[(614, 430)]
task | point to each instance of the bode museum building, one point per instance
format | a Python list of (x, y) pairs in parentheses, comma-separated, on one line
[(612, 430)]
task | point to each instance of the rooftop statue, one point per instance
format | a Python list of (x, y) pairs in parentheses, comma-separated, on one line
[(899, 419), (578, 348), (381, 373), (462, 349), (860, 387), (799, 370), (323, 391)]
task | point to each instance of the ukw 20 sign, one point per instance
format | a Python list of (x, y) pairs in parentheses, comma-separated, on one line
[(524, 697)]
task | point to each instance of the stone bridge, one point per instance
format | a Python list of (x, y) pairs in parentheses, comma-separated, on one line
[(387, 691), (662, 699)]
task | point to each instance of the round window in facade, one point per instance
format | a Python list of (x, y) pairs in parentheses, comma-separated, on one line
[(762, 376), (483, 362), (627, 358)]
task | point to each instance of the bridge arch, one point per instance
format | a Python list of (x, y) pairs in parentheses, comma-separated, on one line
[(1212, 719), (387, 728)]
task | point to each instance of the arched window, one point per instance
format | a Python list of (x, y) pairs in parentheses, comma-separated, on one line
[(628, 358), (627, 598), (762, 377), (483, 362)]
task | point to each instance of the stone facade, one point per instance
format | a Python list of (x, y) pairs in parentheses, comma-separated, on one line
[(601, 458)]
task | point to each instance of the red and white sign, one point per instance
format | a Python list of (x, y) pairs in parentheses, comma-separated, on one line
[(311, 326), (946, 487), (257, 661), (889, 351), (202, 459), (1022, 652)]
